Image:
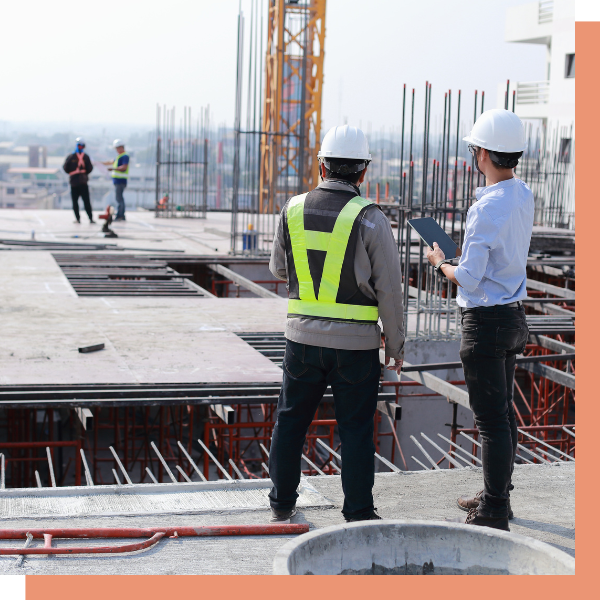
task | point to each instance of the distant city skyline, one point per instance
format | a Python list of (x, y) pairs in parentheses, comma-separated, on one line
[(108, 69)]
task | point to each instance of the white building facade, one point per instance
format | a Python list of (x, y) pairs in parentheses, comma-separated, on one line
[(547, 107)]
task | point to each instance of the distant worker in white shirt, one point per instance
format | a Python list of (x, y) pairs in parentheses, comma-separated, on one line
[(491, 278)]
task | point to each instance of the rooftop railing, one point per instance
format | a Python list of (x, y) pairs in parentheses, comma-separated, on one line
[(545, 12), (533, 92)]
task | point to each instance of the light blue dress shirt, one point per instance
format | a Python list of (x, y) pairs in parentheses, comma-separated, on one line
[(492, 268)]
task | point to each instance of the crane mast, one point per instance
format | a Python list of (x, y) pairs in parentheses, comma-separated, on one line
[(291, 128)]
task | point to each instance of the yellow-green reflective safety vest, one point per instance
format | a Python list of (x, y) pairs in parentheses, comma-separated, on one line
[(323, 305), (120, 174)]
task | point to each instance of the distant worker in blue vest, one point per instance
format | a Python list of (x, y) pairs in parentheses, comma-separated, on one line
[(78, 166), (120, 172), (337, 252), (491, 278)]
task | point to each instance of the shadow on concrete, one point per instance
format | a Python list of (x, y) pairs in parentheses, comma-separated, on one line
[(565, 532)]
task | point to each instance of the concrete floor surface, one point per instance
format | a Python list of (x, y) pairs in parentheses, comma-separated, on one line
[(543, 502)]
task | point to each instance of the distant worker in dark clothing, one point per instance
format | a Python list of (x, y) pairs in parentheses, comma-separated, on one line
[(78, 165), (120, 173)]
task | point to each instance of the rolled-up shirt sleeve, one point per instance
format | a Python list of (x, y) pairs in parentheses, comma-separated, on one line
[(480, 238)]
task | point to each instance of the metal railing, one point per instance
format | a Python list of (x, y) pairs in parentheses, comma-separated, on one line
[(533, 92)]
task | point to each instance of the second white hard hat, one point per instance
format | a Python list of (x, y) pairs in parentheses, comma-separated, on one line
[(80, 141), (345, 142), (118, 143), (498, 130)]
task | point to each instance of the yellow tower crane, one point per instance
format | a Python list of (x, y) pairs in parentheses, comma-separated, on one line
[(292, 103)]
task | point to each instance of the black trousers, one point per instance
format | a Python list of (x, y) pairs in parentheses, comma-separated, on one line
[(82, 191), (354, 379), (491, 339)]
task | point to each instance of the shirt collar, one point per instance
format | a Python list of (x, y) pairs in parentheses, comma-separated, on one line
[(480, 192), (340, 185)]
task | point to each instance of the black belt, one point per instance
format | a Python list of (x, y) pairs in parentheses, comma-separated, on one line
[(517, 304)]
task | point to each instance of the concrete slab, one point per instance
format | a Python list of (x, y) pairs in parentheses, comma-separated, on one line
[(147, 339), (543, 502)]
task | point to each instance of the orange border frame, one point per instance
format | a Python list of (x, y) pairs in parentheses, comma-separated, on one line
[(259, 587)]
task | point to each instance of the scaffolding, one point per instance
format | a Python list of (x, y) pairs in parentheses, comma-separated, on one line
[(275, 151), (181, 164)]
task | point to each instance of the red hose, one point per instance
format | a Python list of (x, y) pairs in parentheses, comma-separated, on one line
[(154, 534)]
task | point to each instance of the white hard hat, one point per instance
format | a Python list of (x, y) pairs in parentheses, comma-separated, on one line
[(345, 142), (80, 141), (498, 130), (118, 143)]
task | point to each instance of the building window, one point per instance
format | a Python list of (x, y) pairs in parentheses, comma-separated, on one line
[(10, 190), (569, 66), (565, 150)]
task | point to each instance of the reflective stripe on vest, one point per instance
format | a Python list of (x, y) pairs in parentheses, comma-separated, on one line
[(120, 174), (80, 165), (335, 244)]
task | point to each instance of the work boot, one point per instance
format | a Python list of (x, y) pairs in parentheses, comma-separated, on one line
[(92, 222), (77, 221), (281, 516), (474, 518), (466, 503), (371, 517)]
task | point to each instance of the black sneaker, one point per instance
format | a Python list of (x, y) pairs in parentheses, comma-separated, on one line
[(281, 516), (92, 222), (474, 518), (371, 517)]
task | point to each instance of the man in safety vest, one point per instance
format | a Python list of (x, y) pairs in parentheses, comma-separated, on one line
[(120, 172), (78, 165), (337, 253)]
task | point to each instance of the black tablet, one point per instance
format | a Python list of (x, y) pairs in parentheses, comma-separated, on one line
[(429, 231)]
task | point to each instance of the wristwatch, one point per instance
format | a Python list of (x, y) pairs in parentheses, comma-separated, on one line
[(438, 267)]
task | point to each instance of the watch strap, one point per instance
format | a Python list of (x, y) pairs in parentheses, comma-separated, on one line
[(439, 265)]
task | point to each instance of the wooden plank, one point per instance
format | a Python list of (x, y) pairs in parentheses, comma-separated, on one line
[(552, 309), (84, 415), (551, 344), (390, 409), (225, 412), (255, 288), (453, 393), (550, 289), (550, 373)]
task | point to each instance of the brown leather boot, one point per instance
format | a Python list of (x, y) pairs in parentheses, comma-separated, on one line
[(474, 518), (466, 503)]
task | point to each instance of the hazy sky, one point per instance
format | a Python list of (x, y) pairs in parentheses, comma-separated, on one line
[(79, 62)]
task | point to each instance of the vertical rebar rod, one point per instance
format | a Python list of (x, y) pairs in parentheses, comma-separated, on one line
[(50, 467), (217, 463), (88, 476), (191, 461), (120, 465), (412, 119), (154, 480), (183, 474), (237, 471), (163, 462), (312, 464)]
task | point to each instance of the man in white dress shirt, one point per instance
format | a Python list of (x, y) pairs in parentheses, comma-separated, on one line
[(491, 278)]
